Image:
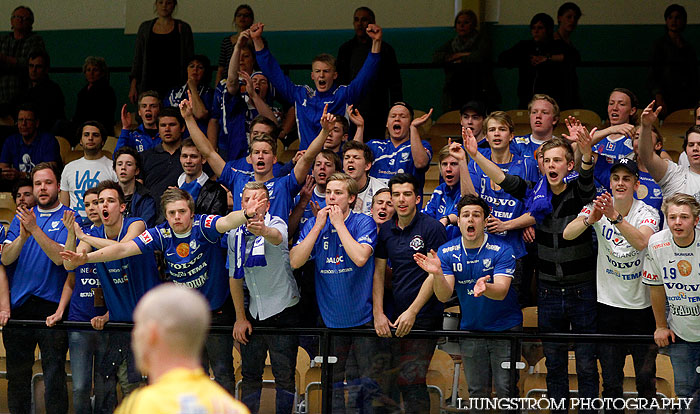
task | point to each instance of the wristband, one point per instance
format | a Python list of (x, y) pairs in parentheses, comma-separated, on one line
[(587, 162), (245, 214), (585, 222)]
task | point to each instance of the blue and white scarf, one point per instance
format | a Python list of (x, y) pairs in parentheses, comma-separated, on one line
[(257, 253), (195, 186), (539, 198)]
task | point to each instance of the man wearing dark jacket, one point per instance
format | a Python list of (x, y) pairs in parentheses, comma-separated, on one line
[(209, 196), (139, 201)]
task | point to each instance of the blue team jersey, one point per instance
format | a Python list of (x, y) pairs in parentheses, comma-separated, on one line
[(467, 266), (343, 290), (390, 160), (608, 152), (137, 139), (525, 146), (205, 92), (230, 110), (25, 157), (443, 202), (504, 206), (309, 103), (82, 302), (307, 210), (195, 259), (33, 273), (282, 190), (124, 281), (650, 193)]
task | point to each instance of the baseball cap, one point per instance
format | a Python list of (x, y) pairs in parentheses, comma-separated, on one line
[(475, 106), (405, 105), (626, 163)]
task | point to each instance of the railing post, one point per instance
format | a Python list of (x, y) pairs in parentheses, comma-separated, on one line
[(326, 374)]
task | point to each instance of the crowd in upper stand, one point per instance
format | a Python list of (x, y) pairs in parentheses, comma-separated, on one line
[(596, 227)]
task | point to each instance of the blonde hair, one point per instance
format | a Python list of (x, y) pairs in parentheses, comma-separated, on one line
[(543, 97), (176, 194), (502, 118), (680, 199), (254, 186)]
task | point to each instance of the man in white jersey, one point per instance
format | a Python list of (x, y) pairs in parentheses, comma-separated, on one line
[(672, 178), (357, 161), (671, 270), (623, 226)]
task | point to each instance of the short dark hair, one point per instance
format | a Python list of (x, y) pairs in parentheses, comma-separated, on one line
[(332, 156), (189, 142), (634, 102), (569, 6), (150, 93), (368, 10), (46, 166), (22, 182), (676, 8), (260, 119), (28, 107), (344, 122), (92, 190), (129, 151), (31, 13), (695, 129), (403, 178), (356, 145), (96, 124), (204, 60), (35, 53), (173, 112), (473, 200), (546, 20), (112, 185)]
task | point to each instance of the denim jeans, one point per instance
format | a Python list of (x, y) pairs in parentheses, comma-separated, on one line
[(218, 351), (482, 360), (612, 356), (685, 359), (20, 344), (84, 347), (283, 360), (569, 309)]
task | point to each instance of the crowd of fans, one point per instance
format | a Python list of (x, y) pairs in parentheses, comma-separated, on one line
[(598, 227)]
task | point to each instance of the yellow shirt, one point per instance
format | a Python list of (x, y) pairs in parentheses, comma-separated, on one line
[(182, 391)]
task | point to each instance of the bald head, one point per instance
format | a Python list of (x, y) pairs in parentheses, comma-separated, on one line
[(171, 318)]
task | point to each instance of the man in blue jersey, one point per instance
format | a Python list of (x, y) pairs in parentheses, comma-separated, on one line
[(508, 215), (480, 268), (414, 305), (145, 136), (544, 116), (262, 155), (443, 202), (311, 104), (190, 243), (341, 241), (36, 277), (122, 282), (82, 296), (404, 151)]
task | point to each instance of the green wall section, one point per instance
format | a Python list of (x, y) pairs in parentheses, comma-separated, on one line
[(422, 87)]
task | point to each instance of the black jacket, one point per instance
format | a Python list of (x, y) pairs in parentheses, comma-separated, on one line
[(212, 199)]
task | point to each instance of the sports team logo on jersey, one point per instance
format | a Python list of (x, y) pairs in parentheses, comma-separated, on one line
[(685, 268), (208, 221), (166, 233), (193, 244), (487, 262), (54, 224), (146, 237), (183, 249), (404, 156), (417, 243)]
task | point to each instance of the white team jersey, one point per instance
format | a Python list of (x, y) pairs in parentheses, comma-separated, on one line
[(619, 267), (677, 269), (364, 199), (680, 179)]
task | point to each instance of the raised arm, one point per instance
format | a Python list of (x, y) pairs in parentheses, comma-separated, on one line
[(269, 65), (465, 180), (259, 103), (492, 170), (420, 155), (12, 250), (657, 167), (301, 170), (298, 210), (234, 63), (443, 285), (357, 119), (200, 140), (134, 230), (107, 254), (237, 218), (637, 237)]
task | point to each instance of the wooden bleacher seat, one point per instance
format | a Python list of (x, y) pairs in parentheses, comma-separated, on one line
[(681, 116), (110, 144), (64, 148), (588, 118), (423, 129), (6, 201)]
